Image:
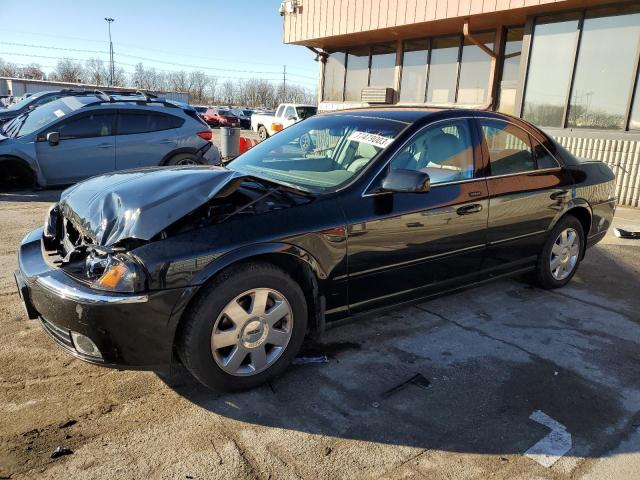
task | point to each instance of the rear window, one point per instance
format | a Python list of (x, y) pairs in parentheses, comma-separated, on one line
[(139, 122)]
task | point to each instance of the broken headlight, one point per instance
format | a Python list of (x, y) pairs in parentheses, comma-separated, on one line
[(115, 272)]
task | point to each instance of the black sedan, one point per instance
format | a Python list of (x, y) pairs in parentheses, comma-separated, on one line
[(228, 269)]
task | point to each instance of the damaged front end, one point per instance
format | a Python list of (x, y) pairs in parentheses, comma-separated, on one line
[(92, 232)]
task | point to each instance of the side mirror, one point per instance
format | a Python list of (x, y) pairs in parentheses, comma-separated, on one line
[(406, 181), (53, 138)]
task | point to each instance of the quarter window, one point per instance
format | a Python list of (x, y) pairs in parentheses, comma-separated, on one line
[(86, 126), (444, 151), (129, 122), (509, 148)]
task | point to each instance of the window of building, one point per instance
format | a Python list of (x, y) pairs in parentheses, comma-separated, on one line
[(604, 71), (550, 68), (415, 59), (634, 122), (334, 77), (509, 147), (383, 64), (443, 71), (357, 73), (86, 126), (475, 69), (444, 151), (508, 87)]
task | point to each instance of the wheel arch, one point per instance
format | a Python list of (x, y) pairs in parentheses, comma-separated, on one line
[(298, 263), (177, 151), (580, 209), (7, 161)]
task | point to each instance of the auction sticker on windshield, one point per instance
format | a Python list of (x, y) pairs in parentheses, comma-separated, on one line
[(371, 139)]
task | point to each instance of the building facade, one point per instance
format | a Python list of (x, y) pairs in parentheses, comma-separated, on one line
[(569, 66), (18, 87)]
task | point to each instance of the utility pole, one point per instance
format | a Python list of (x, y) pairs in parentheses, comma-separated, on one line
[(284, 83), (112, 70)]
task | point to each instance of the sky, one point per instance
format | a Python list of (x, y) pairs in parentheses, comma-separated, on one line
[(227, 38)]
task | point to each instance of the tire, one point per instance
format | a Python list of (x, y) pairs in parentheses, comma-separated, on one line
[(184, 159), (211, 337), (262, 133), (563, 250), (15, 175)]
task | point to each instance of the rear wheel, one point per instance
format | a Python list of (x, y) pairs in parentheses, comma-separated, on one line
[(262, 132), (15, 175), (184, 159), (245, 328), (561, 254)]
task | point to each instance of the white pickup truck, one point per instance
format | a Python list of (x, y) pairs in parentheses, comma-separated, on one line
[(286, 115)]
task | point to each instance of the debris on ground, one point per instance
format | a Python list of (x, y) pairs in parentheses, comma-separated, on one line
[(60, 451), (418, 380), (624, 233), (68, 423), (310, 360)]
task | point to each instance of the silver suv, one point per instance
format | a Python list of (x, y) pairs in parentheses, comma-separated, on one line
[(76, 137)]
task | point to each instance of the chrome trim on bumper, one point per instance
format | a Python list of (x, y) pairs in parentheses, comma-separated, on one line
[(71, 292)]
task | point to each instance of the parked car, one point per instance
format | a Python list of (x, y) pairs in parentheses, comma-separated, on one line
[(73, 138), (287, 114), (200, 110), (227, 269), (244, 115), (221, 118)]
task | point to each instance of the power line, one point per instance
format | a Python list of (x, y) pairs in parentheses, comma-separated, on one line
[(135, 57), (135, 47)]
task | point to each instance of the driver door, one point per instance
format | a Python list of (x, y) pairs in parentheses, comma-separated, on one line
[(86, 148), (409, 244)]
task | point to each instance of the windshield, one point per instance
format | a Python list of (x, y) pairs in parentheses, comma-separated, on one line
[(320, 154), (25, 101), (224, 112), (248, 113), (35, 119), (305, 112)]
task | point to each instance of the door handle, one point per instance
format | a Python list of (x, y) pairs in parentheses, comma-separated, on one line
[(105, 145), (475, 208)]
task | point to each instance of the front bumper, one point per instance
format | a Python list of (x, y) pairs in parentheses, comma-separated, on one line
[(130, 330)]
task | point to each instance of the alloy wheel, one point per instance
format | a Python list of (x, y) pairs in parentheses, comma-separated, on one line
[(564, 254), (252, 332)]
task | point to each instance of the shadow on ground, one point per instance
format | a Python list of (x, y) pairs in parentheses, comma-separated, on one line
[(490, 356)]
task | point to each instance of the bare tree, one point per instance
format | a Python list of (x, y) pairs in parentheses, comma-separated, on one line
[(8, 69), (95, 72), (227, 92), (68, 71), (120, 77), (213, 87), (198, 83)]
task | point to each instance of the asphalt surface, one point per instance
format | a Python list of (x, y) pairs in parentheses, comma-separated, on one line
[(482, 362)]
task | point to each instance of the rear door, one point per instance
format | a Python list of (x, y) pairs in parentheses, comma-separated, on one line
[(144, 138), (86, 147), (408, 244), (527, 188)]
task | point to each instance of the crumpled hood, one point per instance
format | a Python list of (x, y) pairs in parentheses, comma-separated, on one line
[(139, 204)]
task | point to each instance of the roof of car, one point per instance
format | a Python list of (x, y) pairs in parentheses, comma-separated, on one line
[(403, 114)]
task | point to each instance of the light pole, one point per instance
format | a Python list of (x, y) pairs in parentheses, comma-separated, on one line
[(112, 70)]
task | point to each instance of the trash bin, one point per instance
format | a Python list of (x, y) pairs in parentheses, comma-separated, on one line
[(229, 142)]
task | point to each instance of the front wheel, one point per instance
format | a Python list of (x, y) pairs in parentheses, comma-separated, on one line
[(245, 327), (561, 254), (262, 133), (184, 159)]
